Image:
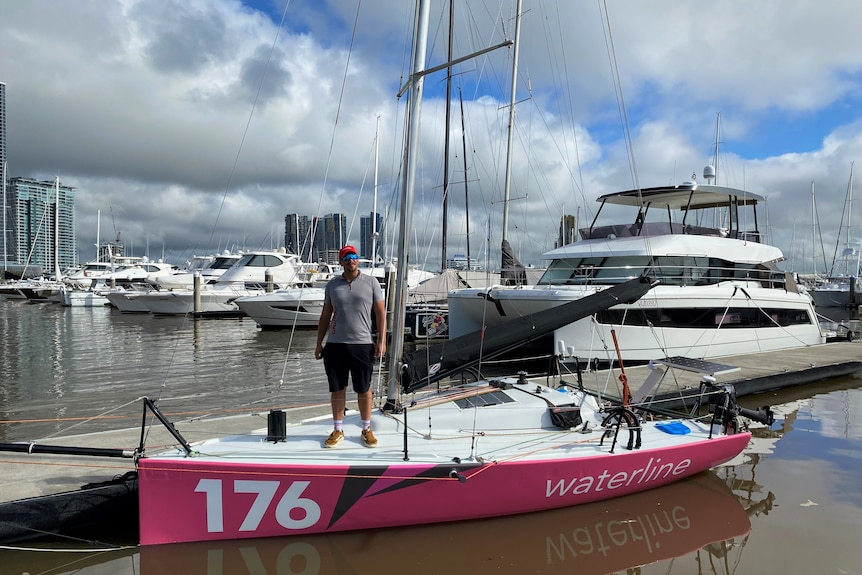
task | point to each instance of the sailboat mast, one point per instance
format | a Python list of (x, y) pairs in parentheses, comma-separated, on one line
[(466, 195), (813, 231), (411, 151), (849, 218), (374, 203), (507, 184), (854, 272), (445, 230)]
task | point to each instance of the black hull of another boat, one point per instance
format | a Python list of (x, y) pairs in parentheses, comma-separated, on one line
[(105, 511)]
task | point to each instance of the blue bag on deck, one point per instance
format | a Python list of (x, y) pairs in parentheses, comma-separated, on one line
[(674, 427)]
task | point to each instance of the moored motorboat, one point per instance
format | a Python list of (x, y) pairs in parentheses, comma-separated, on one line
[(209, 268), (126, 300), (301, 306), (252, 274), (284, 308), (720, 292), (837, 293), (84, 298)]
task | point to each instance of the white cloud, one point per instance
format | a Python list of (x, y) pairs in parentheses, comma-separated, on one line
[(147, 108)]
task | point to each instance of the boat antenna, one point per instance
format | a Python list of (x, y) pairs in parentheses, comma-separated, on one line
[(713, 172)]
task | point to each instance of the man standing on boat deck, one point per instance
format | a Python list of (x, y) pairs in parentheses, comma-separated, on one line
[(350, 349)]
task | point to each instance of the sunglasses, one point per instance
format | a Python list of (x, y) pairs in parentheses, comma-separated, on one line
[(349, 257)]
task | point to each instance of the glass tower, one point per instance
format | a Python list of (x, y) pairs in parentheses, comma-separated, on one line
[(43, 216)]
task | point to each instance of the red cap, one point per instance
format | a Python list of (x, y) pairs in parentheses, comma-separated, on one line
[(345, 251)]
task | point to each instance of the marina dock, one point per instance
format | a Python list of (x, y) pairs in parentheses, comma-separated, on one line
[(750, 374), (25, 475)]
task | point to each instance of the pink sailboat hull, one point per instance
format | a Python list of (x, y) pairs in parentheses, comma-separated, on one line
[(193, 499)]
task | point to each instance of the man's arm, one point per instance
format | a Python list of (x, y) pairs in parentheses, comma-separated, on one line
[(380, 316), (322, 328)]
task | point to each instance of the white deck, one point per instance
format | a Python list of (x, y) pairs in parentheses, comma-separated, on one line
[(442, 432)]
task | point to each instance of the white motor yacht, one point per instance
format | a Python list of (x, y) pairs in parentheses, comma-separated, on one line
[(122, 287), (720, 291), (134, 274), (301, 306), (284, 308), (210, 268), (250, 275)]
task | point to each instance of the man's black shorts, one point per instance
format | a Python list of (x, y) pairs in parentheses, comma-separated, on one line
[(348, 360)]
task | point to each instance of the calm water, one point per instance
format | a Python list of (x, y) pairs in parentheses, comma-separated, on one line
[(62, 363), (791, 504)]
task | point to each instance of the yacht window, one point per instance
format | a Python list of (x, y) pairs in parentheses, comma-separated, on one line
[(260, 261), (272, 261), (687, 270), (577, 271), (670, 270), (244, 260), (620, 269), (222, 263), (559, 272), (700, 318), (198, 264)]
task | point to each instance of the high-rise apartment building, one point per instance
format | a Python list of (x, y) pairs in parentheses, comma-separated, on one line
[(568, 231), (7, 235), (316, 239), (38, 218), (297, 236), (42, 218), (366, 234), (329, 236)]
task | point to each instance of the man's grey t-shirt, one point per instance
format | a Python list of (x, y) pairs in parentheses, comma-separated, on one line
[(352, 303)]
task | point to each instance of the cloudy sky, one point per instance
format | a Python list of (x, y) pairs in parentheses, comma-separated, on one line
[(196, 125)]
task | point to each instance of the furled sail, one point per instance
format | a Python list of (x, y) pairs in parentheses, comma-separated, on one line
[(512, 272)]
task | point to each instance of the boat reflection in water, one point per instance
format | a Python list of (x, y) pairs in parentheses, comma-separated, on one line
[(603, 537)]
